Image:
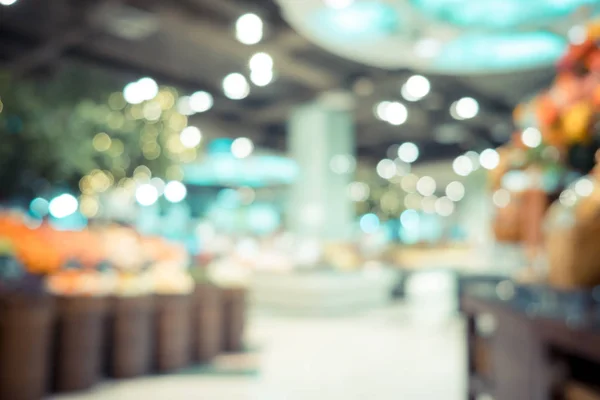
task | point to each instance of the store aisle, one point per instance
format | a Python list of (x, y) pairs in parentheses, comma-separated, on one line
[(385, 355)]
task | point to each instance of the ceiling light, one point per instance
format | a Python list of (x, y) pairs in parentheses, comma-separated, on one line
[(386, 168), (148, 88), (489, 159), (261, 77), (236, 87), (175, 191), (242, 147), (249, 29), (62, 206), (358, 191), (190, 137), (395, 113), (455, 191), (428, 48), (261, 61), (380, 110), (146, 194), (462, 165), (428, 204), (7, 2), (426, 186), (531, 137), (501, 198), (465, 108), (201, 101), (444, 206), (408, 152), (410, 219), (184, 106), (416, 87), (584, 187)]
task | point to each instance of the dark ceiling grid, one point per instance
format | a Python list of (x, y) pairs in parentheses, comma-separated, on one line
[(197, 47)]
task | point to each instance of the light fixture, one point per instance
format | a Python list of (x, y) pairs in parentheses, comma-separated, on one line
[(584, 187), (358, 191), (249, 29), (380, 109), (261, 61), (426, 186), (369, 223), (190, 137), (415, 88), (261, 77), (408, 152), (242, 147), (236, 87), (428, 204), (462, 165), (501, 198), (62, 206), (444, 206), (201, 101), (175, 191), (7, 2), (396, 113), (465, 108), (489, 159), (410, 219), (428, 48), (455, 191), (146, 194), (386, 168), (531, 137), (184, 106), (137, 92)]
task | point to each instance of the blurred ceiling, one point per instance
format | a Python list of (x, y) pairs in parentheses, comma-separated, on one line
[(192, 44)]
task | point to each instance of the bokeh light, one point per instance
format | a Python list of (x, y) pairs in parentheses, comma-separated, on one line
[(501, 198), (190, 137), (358, 191), (236, 87), (462, 165), (249, 29), (531, 137), (369, 223), (242, 147), (200, 101), (415, 88), (146, 194), (426, 186), (489, 159), (62, 206), (408, 152), (386, 168), (455, 191), (175, 191), (465, 108)]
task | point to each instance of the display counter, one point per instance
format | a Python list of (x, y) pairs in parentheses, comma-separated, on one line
[(531, 342), (321, 292)]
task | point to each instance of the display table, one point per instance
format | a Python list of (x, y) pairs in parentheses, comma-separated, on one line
[(321, 292), (531, 342)]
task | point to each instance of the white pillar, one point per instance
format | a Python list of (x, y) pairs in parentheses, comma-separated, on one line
[(319, 206)]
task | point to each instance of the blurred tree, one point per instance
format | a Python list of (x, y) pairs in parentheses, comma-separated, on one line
[(48, 130)]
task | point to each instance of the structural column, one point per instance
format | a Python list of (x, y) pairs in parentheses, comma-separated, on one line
[(321, 140)]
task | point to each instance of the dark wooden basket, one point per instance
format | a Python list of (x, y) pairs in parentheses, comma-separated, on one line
[(25, 337), (172, 325), (78, 344), (206, 323), (130, 336), (233, 319)]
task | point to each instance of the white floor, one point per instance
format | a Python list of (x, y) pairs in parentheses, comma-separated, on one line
[(384, 355)]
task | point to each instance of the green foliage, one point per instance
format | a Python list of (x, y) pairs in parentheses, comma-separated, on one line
[(47, 130)]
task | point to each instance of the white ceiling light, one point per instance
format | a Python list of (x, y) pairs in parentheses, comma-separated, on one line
[(408, 152), (242, 147), (415, 88), (501, 198), (249, 29), (140, 91), (261, 61), (462, 165), (465, 108), (184, 107), (395, 113), (338, 4), (201, 101), (7, 2), (175, 191), (190, 137), (62, 206), (444, 206), (146, 194), (474, 157), (261, 77), (236, 87), (489, 159), (380, 109), (358, 191), (584, 187), (386, 168), (455, 191), (426, 186), (531, 137)]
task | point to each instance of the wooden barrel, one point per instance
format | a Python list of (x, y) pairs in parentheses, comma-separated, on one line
[(206, 316), (130, 336), (172, 330), (233, 319), (78, 345), (25, 338)]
